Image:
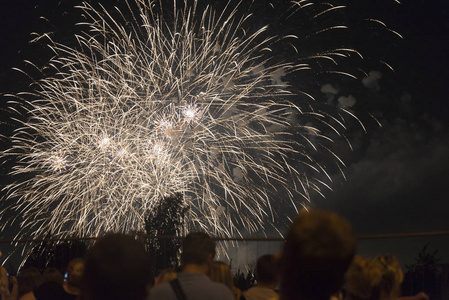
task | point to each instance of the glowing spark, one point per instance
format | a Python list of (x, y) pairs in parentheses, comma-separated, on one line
[(104, 144), (191, 114), (58, 163)]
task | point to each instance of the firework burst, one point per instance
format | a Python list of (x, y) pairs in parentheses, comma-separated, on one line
[(146, 106)]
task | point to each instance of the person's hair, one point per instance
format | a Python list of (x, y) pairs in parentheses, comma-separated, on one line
[(166, 275), (196, 248), (392, 274), (28, 280), (220, 272), (116, 267), (266, 269), (360, 280), (318, 250), (52, 275), (372, 279)]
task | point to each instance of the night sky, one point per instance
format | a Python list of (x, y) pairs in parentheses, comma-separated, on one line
[(397, 175), (399, 184)]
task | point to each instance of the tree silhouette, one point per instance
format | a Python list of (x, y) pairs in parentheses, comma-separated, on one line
[(240, 281), (48, 254), (166, 220), (424, 275), (244, 282)]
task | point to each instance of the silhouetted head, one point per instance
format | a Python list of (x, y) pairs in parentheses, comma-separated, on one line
[(52, 275), (116, 267), (318, 250), (197, 248), (75, 270), (28, 280), (266, 269)]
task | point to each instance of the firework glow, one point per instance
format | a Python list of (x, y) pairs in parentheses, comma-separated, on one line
[(147, 106)]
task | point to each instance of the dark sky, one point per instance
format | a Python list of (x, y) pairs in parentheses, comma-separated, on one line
[(397, 176), (400, 183)]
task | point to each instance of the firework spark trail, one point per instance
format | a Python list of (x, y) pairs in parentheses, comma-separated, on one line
[(150, 108)]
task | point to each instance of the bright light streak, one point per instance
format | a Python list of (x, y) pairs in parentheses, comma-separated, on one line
[(194, 105)]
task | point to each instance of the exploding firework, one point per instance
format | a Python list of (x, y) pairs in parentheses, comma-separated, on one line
[(146, 106)]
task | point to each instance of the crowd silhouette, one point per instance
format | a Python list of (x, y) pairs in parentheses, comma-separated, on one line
[(318, 262)]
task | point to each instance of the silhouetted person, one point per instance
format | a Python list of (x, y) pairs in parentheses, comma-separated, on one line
[(267, 279), (116, 267), (8, 285), (75, 271), (198, 251), (318, 250), (28, 279), (50, 288)]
